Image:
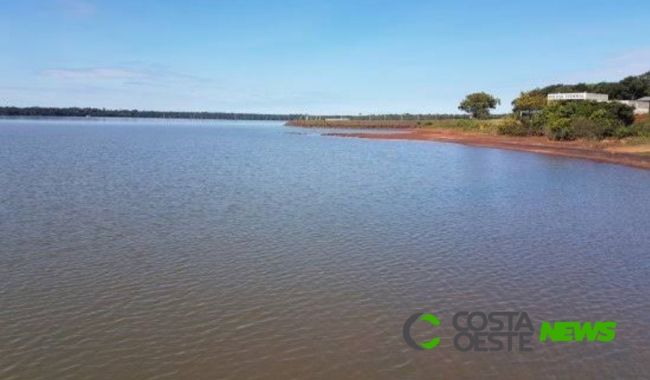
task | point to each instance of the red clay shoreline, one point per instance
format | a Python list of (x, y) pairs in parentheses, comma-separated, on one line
[(573, 149)]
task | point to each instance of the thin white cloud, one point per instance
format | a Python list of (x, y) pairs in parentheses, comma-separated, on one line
[(144, 85), (92, 73), (133, 75), (76, 8)]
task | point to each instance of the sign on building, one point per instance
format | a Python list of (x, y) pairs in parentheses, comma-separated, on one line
[(579, 96)]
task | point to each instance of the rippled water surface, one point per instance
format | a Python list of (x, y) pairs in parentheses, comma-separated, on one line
[(139, 249)]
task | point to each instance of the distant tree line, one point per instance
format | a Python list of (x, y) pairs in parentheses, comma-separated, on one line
[(102, 112), (97, 112)]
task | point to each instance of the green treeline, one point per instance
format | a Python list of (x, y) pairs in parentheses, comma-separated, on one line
[(96, 112), (630, 88)]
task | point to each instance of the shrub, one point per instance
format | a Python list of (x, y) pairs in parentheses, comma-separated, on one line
[(489, 127), (623, 132), (560, 129), (512, 127), (466, 124), (586, 128), (642, 127), (459, 124), (534, 124), (596, 128), (593, 110), (621, 112), (589, 120)]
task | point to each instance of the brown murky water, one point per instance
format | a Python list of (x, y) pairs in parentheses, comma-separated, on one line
[(150, 249)]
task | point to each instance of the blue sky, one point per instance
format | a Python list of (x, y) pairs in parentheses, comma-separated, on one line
[(311, 56)]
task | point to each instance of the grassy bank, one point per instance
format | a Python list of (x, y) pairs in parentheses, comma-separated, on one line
[(466, 125), (505, 133), (582, 128), (354, 124), (641, 127)]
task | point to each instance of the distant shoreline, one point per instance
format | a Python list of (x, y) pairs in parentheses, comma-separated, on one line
[(82, 112), (90, 118), (612, 152)]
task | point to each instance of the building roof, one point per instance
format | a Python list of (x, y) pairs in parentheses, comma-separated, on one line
[(645, 99)]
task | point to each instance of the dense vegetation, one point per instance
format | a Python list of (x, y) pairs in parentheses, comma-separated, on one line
[(641, 128), (568, 120), (586, 120)]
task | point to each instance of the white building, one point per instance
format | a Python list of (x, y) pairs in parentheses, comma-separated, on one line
[(579, 96), (641, 106)]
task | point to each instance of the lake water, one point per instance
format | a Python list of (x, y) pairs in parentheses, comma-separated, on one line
[(150, 249)]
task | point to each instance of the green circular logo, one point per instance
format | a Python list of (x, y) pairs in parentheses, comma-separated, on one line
[(407, 331)]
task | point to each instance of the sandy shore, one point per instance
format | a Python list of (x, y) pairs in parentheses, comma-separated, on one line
[(613, 153)]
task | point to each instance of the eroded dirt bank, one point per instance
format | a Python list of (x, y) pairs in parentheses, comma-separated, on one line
[(614, 153)]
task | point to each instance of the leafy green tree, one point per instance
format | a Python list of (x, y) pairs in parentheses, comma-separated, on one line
[(527, 107), (636, 86), (529, 102), (479, 104)]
